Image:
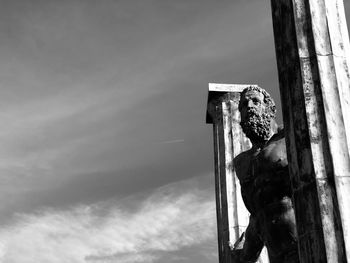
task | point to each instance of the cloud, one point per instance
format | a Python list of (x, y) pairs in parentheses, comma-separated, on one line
[(172, 218)]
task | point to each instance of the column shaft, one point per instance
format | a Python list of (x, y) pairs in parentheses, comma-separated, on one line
[(312, 48)]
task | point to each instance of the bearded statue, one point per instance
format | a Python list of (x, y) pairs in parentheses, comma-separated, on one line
[(265, 184), (256, 123)]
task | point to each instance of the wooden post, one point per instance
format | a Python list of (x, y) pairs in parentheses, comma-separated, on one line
[(312, 48), (229, 141)]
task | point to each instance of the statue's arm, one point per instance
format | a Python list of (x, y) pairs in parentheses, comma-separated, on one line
[(248, 248), (253, 243)]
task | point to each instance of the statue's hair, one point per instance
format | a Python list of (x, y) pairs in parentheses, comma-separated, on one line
[(267, 99)]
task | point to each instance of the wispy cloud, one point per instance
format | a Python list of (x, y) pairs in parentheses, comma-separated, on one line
[(168, 220)]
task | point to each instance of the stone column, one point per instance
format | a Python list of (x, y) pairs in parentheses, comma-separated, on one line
[(229, 141), (312, 48)]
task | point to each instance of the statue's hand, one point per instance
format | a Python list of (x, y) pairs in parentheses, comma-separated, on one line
[(238, 245), (237, 249)]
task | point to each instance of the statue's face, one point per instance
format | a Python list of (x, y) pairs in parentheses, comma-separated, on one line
[(253, 102), (255, 117)]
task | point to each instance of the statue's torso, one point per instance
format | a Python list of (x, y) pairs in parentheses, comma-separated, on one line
[(266, 191)]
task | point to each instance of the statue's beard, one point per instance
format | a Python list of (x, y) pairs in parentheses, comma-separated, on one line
[(257, 127)]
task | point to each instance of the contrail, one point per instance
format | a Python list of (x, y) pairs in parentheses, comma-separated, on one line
[(173, 141)]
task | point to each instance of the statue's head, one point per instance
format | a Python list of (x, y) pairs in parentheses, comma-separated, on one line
[(257, 110)]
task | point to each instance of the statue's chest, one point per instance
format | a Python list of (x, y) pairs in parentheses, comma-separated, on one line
[(267, 179), (267, 169), (269, 160)]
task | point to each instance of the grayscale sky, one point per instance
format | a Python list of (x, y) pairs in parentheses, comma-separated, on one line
[(104, 151)]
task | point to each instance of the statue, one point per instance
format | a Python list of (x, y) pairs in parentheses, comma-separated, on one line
[(265, 183)]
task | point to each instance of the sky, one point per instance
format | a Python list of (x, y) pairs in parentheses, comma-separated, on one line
[(105, 155)]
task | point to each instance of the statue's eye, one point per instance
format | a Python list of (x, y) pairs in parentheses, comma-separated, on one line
[(256, 101)]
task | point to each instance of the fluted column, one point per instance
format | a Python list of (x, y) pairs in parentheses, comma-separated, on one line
[(312, 49)]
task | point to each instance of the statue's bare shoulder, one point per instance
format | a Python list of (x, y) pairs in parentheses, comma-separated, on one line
[(274, 154), (274, 151), (242, 163), (279, 134)]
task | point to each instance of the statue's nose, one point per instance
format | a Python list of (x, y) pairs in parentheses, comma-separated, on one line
[(251, 104)]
